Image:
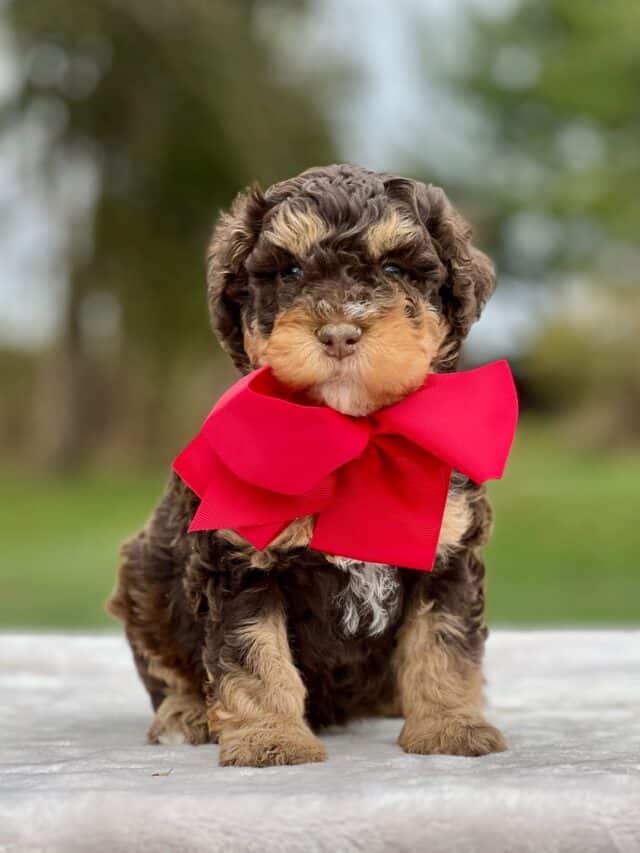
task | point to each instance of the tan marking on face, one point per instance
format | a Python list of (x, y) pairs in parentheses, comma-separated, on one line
[(293, 351), (391, 233), (392, 358), (296, 231)]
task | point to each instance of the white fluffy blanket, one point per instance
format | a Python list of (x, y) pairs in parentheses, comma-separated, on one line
[(76, 774)]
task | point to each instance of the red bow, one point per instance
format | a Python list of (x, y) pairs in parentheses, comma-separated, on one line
[(377, 484)]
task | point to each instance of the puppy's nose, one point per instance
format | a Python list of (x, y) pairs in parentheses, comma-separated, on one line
[(339, 339)]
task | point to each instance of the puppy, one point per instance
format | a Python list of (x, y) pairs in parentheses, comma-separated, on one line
[(352, 286)]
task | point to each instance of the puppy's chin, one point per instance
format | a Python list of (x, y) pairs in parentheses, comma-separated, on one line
[(391, 360), (357, 391)]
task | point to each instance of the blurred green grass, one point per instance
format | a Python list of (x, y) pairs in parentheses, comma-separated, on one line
[(566, 546), (60, 539)]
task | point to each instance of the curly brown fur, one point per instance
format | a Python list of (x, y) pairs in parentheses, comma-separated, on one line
[(259, 649)]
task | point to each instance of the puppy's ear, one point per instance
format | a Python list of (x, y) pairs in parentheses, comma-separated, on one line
[(233, 238), (470, 274)]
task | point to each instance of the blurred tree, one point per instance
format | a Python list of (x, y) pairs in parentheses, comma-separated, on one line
[(171, 108), (559, 81), (584, 367)]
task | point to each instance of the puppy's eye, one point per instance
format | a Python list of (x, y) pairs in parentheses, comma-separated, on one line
[(293, 271), (394, 269)]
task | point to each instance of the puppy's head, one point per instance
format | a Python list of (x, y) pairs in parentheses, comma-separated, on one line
[(351, 285)]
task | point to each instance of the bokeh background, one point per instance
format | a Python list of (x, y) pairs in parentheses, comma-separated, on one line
[(125, 125)]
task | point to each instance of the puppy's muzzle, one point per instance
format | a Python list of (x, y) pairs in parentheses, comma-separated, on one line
[(339, 339)]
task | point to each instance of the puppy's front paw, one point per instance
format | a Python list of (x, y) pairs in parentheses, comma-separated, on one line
[(451, 736), (181, 718), (268, 743)]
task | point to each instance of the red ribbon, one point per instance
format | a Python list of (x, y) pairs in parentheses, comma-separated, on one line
[(377, 485)]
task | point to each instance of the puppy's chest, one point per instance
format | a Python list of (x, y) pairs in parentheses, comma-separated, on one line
[(371, 599), (366, 598), (359, 597)]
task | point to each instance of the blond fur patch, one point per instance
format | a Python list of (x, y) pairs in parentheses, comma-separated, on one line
[(259, 715), (296, 231), (174, 682), (456, 521), (440, 691), (391, 233), (269, 742), (428, 674), (295, 535), (181, 718), (451, 735), (182, 714), (268, 682)]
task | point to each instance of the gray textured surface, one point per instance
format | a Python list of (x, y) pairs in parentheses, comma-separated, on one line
[(76, 775)]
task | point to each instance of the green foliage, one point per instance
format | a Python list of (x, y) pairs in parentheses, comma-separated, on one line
[(558, 80), (565, 548), (585, 366)]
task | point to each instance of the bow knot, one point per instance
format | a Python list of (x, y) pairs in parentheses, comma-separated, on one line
[(377, 485)]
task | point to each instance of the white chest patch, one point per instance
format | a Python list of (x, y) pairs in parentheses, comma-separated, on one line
[(372, 595)]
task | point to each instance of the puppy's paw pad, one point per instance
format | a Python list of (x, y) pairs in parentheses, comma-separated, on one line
[(451, 737), (250, 746)]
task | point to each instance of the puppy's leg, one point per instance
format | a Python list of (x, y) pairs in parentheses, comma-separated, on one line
[(180, 710), (181, 716), (150, 599), (438, 665), (257, 695)]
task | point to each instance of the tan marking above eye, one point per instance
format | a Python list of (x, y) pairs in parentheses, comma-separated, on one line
[(296, 231), (391, 233)]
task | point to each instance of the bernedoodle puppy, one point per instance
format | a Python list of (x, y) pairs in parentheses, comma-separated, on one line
[(351, 285)]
